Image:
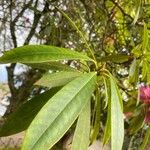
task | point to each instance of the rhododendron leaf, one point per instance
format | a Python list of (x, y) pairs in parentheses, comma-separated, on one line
[(117, 118), (58, 78), (97, 116), (116, 58), (59, 113), (82, 132), (144, 69), (134, 72), (107, 131), (145, 39), (138, 7), (40, 54)]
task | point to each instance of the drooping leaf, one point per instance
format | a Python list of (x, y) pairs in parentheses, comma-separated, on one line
[(58, 114), (117, 119), (23, 116), (137, 11), (107, 91), (82, 132), (97, 117), (40, 54), (107, 131), (146, 139), (52, 66), (148, 73), (144, 69), (145, 39), (58, 78), (134, 71), (117, 58)]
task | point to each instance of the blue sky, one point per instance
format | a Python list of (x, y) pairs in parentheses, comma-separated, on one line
[(3, 74)]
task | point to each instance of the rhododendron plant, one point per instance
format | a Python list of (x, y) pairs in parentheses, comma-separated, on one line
[(93, 56)]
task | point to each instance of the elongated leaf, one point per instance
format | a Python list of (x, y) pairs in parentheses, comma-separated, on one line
[(134, 72), (145, 39), (148, 73), (146, 139), (117, 121), (58, 78), (97, 116), (58, 114), (107, 131), (137, 11), (82, 132), (40, 54), (144, 69), (116, 58), (51, 66), (21, 119), (107, 91)]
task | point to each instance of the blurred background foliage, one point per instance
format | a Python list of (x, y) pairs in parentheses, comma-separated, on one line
[(117, 31)]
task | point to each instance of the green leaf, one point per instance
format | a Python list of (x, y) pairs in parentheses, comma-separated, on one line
[(52, 66), (148, 73), (145, 140), (57, 78), (116, 58), (97, 116), (58, 114), (107, 91), (82, 132), (107, 131), (134, 72), (40, 54), (145, 39), (23, 116), (117, 119), (137, 11), (144, 69)]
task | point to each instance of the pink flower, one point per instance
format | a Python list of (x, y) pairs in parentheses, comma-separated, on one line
[(147, 118), (145, 94)]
